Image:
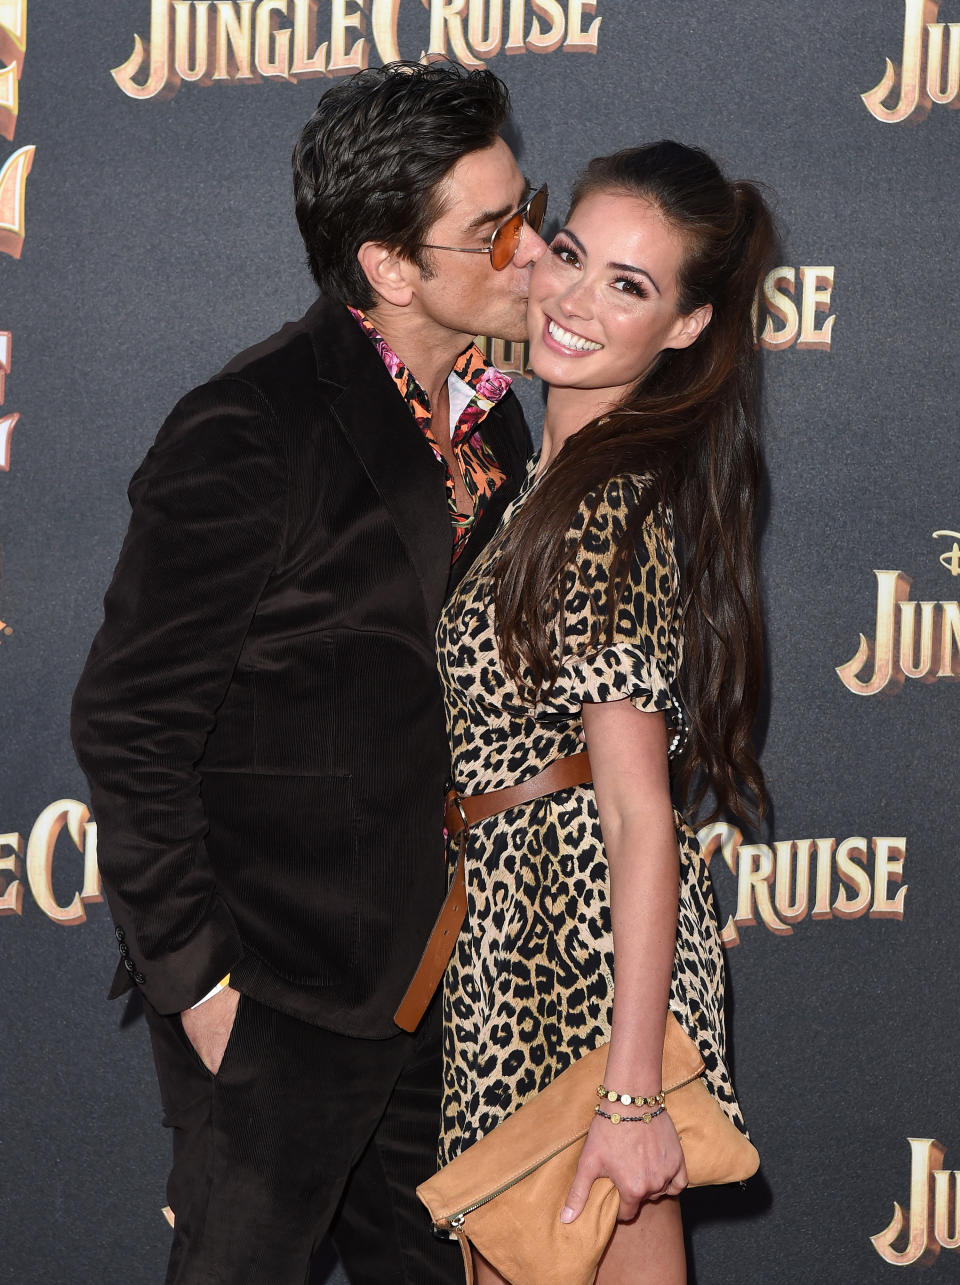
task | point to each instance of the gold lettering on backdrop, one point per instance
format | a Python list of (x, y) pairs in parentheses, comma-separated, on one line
[(191, 40), (551, 26), (234, 42), (347, 25), (951, 559), (13, 32), (242, 41), (13, 175), (916, 85), (549, 37), (383, 21), (816, 288), (43, 853), (888, 858), (851, 860), (506, 355), (579, 41), (9, 101), (272, 43), (946, 1206), (40, 853), (13, 48), (780, 306), (13, 200), (786, 324), (485, 28), (11, 862), (931, 1222), (7, 422), (153, 55), (446, 23), (13, 196), (779, 886), (309, 58), (893, 588), (6, 340), (943, 88), (918, 640), (515, 44)]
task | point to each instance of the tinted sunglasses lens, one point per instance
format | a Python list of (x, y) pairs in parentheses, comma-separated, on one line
[(505, 241), (537, 209)]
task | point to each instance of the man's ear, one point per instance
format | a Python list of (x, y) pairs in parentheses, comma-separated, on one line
[(390, 276), (690, 327)]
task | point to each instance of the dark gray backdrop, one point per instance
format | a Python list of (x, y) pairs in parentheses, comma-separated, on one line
[(160, 240)]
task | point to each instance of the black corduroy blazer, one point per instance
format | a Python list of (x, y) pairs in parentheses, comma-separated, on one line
[(260, 717)]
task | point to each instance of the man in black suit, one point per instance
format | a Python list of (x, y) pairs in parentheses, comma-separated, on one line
[(260, 717)]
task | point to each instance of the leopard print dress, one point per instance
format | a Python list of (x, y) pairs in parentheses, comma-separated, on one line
[(529, 988)]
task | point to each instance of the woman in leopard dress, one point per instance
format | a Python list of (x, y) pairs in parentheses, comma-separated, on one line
[(630, 549)]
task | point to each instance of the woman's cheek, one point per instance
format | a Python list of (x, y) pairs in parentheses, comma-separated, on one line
[(547, 268)]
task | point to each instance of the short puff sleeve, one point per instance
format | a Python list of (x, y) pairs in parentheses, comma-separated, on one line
[(639, 660)]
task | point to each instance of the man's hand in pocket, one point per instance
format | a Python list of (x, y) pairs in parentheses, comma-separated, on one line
[(208, 1027)]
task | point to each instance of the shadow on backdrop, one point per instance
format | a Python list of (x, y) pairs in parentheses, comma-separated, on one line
[(730, 1203)]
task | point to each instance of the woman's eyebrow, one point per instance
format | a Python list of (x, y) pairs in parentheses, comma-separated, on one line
[(576, 240), (618, 267), (629, 267)]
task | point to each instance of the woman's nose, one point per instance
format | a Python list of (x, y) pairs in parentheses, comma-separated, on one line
[(577, 300)]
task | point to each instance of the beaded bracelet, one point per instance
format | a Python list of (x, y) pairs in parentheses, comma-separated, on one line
[(655, 1100), (616, 1118)]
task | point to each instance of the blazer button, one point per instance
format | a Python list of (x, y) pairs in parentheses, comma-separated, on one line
[(139, 978), (129, 965), (120, 933), (124, 949)]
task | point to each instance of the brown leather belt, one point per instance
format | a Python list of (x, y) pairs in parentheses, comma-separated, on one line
[(462, 812)]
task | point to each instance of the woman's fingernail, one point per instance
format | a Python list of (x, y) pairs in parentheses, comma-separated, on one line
[(566, 1214)]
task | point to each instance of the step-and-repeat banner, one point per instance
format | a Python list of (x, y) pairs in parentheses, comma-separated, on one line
[(147, 234)]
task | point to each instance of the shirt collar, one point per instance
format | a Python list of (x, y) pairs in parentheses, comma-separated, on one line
[(486, 383)]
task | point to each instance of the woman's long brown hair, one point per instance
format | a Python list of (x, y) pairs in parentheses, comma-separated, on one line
[(691, 425)]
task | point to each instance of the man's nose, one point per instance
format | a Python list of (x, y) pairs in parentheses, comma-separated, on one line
[(532, 247)]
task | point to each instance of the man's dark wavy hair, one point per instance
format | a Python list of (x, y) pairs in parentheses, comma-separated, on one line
[(368, 163)]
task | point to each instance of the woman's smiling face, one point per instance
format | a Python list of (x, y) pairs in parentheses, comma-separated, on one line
[(603, 300)]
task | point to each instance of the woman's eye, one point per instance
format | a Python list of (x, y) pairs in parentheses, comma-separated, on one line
[(626, 286), (565, 253)]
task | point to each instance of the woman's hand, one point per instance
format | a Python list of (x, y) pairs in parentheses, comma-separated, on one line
[(644, 1160)]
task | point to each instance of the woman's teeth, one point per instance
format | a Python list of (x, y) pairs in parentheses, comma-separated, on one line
[(570, 340)]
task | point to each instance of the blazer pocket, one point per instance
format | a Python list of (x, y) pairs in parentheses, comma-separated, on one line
[(284, 848)]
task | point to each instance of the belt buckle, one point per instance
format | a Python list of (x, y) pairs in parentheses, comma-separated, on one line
[(458, 803)]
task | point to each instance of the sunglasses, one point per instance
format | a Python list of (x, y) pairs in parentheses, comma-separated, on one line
[(506, 235)]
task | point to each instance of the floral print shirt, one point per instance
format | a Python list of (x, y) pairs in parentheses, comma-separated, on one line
[(475, 388)]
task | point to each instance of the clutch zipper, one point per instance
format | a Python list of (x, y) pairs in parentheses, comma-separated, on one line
[(683, 1083), (456, 1220)]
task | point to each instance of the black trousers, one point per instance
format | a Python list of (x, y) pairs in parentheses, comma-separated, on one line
[(302, 1133)]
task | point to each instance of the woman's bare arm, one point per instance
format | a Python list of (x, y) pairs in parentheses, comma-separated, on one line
[(628, 755)]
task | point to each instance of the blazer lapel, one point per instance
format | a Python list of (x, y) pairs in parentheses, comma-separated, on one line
[(400, 464), (398, 459)]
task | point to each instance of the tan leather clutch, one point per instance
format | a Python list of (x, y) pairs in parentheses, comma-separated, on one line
[(504, 1194)]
